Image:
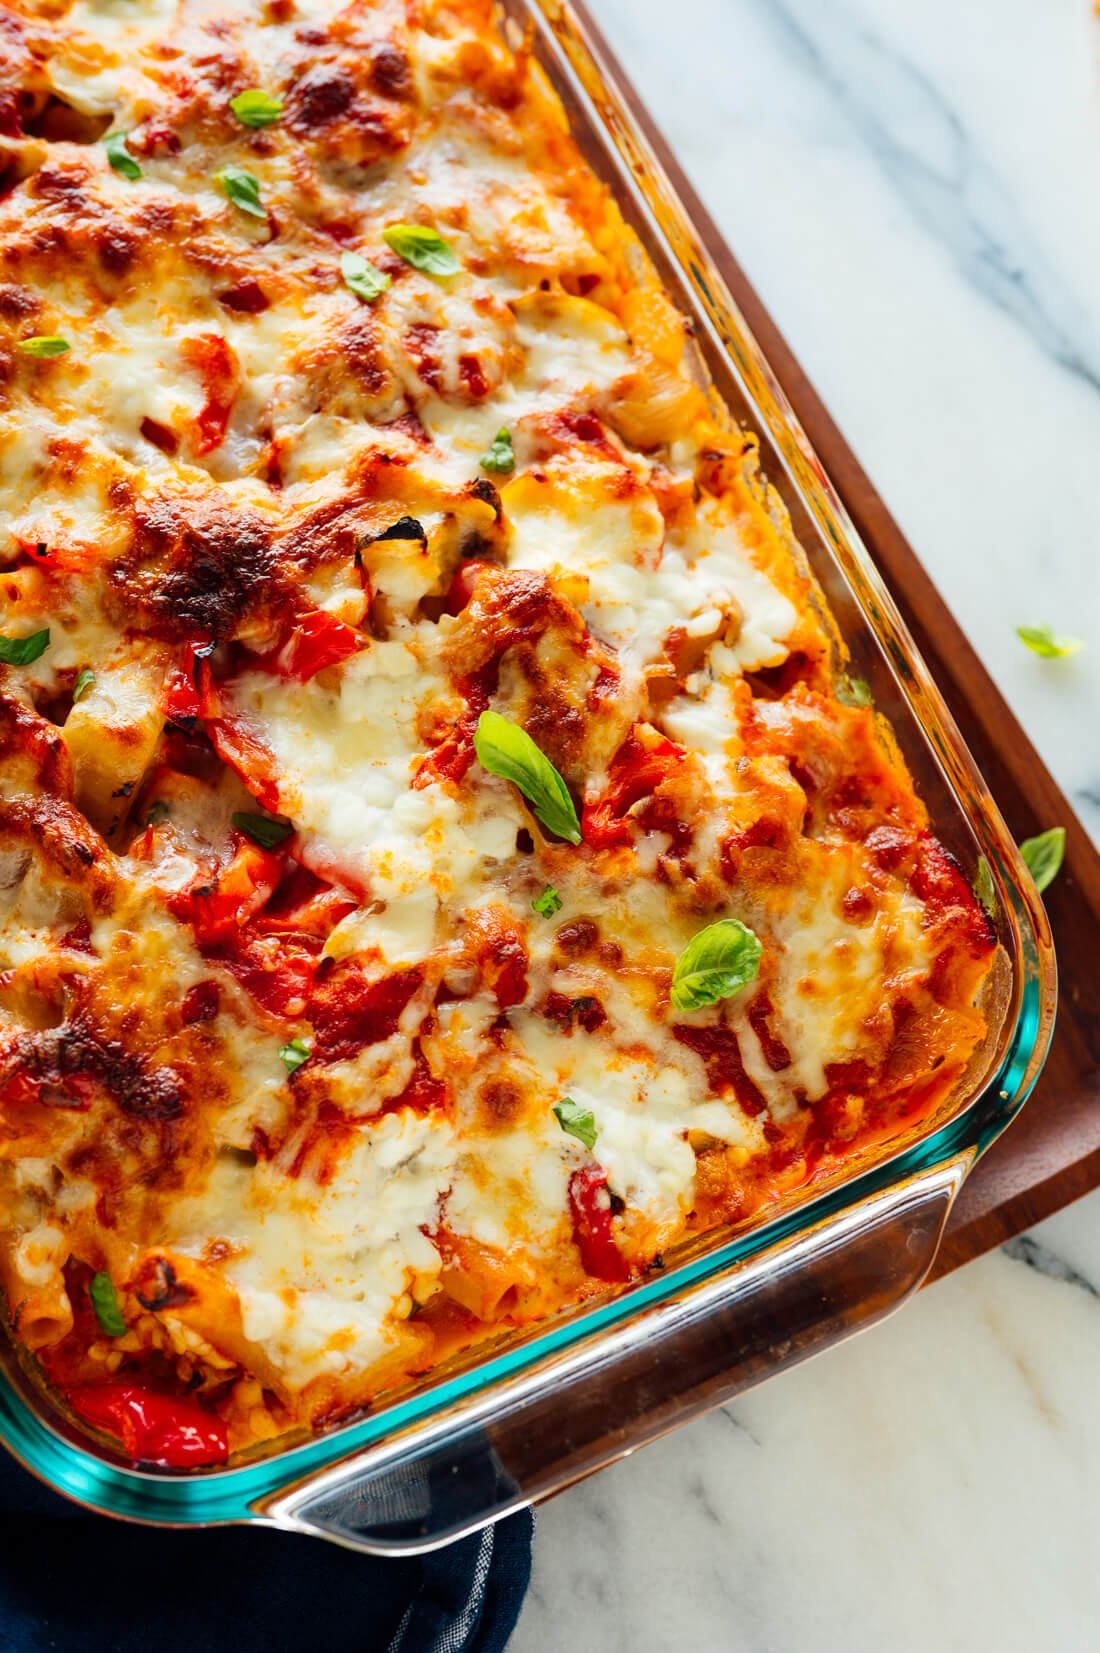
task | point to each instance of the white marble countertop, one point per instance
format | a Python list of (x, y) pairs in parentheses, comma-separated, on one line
[(911, 184)]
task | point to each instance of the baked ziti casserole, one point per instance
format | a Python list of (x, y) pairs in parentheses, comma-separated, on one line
[(443, 862)]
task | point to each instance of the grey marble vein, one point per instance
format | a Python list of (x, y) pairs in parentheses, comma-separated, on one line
[(1026, 1249), (921, 143)]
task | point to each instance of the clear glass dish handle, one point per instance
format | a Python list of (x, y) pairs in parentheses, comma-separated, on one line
[(527, 1441)]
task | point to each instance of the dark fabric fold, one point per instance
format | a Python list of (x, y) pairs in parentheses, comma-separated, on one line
[(77, 1583)]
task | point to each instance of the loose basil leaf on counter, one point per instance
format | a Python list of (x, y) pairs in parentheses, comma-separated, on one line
[(548, 903), (423, 248), (119, 156), (361, 276), (243, 189), (715, 964), (84, 682), (256, 107), (985, 891), (43, 344), (1043, 856), (499, 457), (577, 1121), (263, 830), (1042, 641), (105, 1303), (23, 651), (504, 749), (294, 1054)]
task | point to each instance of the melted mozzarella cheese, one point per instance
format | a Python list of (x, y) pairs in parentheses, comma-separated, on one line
[(643, 1109), (347, 759), (320, 1270)]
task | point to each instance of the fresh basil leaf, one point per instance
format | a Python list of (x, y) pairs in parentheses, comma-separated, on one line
[(853, 691), (158, 811), (499, 456), (504, 749), (119, 156), (1043, 856), (43, 344), (243, 189), (84, 682), (361, 276), (577, 1121), (23, 651), (105, 1303), (985, 891), (256, 107), (548, 903), (715, 964), (263, 830), (1042, 641), (294, 1054), (423, 248)]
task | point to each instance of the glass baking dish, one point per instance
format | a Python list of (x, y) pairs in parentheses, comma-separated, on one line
[(527, 1416)]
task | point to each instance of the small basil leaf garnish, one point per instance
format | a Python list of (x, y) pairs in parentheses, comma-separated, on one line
[(105, 1303), (853, 691), (256, 107), (43, 345), (263, 830), (243, 189), (985, 891), (499, 457), (577, 1121), (362, 278), (119, 156), (548, 903), (423, 248), (1042, 641), (84, 682), (504, 749), (1043, 856), (715, 964), (294, 1054), (23, 651)]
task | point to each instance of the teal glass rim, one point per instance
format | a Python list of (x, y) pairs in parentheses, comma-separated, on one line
[(62, 1456)]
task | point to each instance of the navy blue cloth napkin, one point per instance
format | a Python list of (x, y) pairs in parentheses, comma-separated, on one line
[(77, 1583)]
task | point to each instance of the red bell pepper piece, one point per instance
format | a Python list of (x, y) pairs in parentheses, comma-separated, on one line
[(189, 686), (461, 588), (277, 971), (637, 769), (215, 362), (219, 906), (153, 1428), (318, 640), (590, 1208)]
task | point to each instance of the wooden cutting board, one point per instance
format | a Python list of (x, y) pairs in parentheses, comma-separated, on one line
[(1051, 1154)]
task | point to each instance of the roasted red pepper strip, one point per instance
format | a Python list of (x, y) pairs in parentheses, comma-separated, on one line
[(636, 771), (189, 684), (219, 906), (215, 362), (590, 1208), (277, 971), (153, 1428), (319, 640)]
